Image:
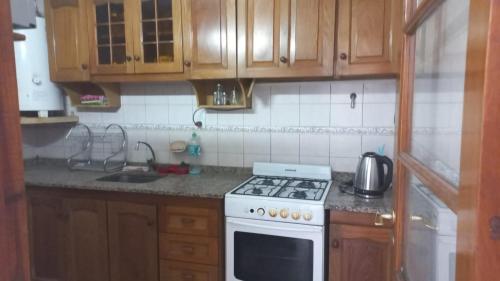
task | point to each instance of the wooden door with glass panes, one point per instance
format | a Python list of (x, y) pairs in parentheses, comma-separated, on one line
[(157, 36), (110, 36), (447, 147)]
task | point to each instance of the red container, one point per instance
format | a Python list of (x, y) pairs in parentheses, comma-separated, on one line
[(181, 169)]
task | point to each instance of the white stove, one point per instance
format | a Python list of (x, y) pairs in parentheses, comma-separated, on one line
[(276, 220), (282, 192)]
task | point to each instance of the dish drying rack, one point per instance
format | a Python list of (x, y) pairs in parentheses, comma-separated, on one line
[(97, 151)]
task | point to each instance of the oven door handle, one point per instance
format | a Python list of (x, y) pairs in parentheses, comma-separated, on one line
[(304, 230)]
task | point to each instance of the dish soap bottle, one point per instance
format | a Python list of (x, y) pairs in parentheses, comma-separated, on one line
[(194, 150)]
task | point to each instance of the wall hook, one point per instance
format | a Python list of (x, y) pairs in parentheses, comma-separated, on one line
[(353, 97)]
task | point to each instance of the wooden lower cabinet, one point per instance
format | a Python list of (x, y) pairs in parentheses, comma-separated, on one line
[(360, 253), (46, 227), (133, 242), (191, 245), (180, 271), (189, 220), (68, 239), (94, 236), (188, 248), (86, 247)]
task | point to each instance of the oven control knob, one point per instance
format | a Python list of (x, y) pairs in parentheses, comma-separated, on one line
[(308, 216), (284, 213), (295, 215), (261, 211), (272, 212)]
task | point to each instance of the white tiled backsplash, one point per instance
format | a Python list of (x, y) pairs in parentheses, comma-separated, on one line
[(293, 122)]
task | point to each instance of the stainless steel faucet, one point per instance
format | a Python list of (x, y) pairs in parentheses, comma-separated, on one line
[(151, 162)]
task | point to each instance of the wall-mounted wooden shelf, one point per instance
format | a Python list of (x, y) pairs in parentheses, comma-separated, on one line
[(48, 120), (110, 90), (204, 92)]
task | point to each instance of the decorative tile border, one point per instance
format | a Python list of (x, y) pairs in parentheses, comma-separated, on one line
[(233, 129), (437, 131)]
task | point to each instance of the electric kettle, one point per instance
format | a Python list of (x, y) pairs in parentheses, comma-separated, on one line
[(371, 179)]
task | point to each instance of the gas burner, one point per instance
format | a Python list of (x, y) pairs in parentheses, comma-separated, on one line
[(298, 188), (267, 182), (306, 184), (299, 194), (256, 191)]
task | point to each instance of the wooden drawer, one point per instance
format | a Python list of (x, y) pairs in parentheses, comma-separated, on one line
[(189, 248), (179, 271), (186, 220)]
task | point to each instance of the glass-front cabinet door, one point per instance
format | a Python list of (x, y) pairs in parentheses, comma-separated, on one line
[(110, 37), (135, 36), (157, 36)]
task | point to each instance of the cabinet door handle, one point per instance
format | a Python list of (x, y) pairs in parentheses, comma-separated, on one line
[(187, 276), (379, 218), (137, 58), (151, 222), (495, 228), (187, 63), (188, 250), (343, 56), (283, 59), (187, 221), (335, 243), (129, 58), (85, 66)]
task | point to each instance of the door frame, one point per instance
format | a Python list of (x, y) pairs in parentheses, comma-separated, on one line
[(14, 251), (476, 200)]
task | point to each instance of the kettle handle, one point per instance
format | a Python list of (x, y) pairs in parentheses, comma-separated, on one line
[(388, 177)]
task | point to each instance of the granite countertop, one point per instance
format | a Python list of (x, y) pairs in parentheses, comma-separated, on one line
[(340, 201), (214, 182)]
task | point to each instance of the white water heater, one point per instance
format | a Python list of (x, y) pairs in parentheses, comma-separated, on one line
[(36, 91)]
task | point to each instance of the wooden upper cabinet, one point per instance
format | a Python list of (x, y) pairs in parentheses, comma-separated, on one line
[(368, 37), (135, 36), (66, 24), (111, 35), (359, 253), (311, 38), (86, 240), (133, 242), (157, 36), (209, 31), (285, 38), (259, 37)]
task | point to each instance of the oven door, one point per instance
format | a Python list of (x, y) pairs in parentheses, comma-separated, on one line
[(264, 250)]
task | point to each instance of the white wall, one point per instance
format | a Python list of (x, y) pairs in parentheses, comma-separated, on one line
[(293, 122)]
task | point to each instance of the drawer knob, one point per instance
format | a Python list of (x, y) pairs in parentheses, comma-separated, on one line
[(84, 66), (187, 276), (188, 250), (128, 58), (187, 63), (283, 59), (335, 243), (187, 221), (343, 56)]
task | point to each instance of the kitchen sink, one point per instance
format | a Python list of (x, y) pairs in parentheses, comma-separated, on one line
[(131, 177)]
